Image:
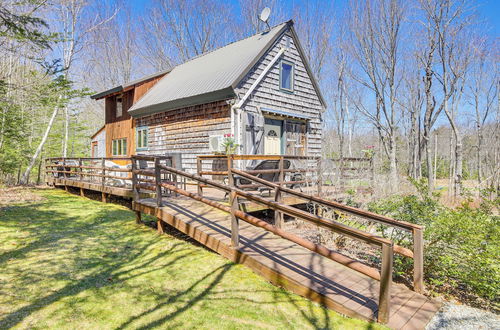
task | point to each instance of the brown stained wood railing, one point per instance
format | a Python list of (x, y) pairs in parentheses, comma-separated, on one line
[(384, 276), (70, 168), (415, 230)]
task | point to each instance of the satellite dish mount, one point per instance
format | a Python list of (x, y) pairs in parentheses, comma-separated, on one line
[(264, 16)]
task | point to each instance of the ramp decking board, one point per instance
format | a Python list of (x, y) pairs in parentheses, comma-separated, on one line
[(280, 261)]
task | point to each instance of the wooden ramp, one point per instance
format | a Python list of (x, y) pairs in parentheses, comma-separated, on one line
[(201, 211), (291, 266)]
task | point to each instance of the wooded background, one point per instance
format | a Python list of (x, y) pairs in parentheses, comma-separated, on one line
[(413, 83)]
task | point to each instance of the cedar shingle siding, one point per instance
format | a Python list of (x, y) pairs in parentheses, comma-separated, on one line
[(186, 130), (303, 101)]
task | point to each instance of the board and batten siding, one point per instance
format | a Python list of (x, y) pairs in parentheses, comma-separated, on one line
[(186, 131), (303, 101)]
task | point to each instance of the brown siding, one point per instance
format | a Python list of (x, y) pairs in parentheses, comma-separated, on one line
[(121, 127), (124, 126), (186, 130)]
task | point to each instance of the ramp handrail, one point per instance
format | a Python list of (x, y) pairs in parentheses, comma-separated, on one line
[(386, 245)]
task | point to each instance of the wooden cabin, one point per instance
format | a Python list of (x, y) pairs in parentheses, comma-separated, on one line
[(259, 90)]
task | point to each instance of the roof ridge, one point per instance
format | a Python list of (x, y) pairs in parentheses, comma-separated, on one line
[(233, 42)]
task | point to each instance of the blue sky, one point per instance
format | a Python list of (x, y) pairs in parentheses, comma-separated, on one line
[(488, 9)]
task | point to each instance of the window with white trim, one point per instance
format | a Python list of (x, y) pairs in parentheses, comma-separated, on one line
[(119, 147), (286, 76), (142, 138)]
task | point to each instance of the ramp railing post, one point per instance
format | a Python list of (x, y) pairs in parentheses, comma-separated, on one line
[(418, 260), (199, 169), (158, 181), (233, 201), (278, 216), (319, 174), (384, 302)]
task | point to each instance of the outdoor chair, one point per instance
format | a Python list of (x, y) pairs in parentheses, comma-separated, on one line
[(271, 177)]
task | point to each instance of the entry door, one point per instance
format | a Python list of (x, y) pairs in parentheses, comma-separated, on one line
[(95, 151), (272, 136)]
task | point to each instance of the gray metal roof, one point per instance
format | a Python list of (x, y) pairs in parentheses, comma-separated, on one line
[(208, 77)]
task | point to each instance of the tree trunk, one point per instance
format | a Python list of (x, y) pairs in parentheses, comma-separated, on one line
[(458, 166), (430, 172), (393, 162), (66, 132), (42, 143)]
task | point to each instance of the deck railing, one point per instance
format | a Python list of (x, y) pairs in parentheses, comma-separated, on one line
[(163, 179), (303, 171), (159, 175)]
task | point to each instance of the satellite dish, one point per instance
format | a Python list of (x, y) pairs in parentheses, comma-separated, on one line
[(264, 16)]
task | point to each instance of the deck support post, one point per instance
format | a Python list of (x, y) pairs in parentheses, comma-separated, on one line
[(66, 187), (104, 198), (160, 226), (233, 202), (158, 181), (384, 302), (138, 217), (198, 170), (418, 260), (82, 192)]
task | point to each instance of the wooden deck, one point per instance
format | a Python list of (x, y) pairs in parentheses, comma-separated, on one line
[(279, 260), (291, 266)]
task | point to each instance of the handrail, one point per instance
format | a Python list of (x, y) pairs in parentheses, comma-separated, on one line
[(346, 230), (387, 247), (345, 208), (416, 230)]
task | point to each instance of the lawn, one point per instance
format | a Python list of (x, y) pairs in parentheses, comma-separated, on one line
[(71, 262)]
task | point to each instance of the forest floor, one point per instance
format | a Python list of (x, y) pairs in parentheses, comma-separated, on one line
[(68, 261)]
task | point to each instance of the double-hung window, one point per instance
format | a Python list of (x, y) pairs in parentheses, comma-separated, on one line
[(286, 76), (142, 138), (119, 147)]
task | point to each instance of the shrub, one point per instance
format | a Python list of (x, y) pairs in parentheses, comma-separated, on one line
[(462, 245)]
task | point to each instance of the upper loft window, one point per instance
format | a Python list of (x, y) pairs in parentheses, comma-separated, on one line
[(286, 76), (119, 107)]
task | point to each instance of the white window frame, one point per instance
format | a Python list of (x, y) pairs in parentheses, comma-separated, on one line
[(292, 76)]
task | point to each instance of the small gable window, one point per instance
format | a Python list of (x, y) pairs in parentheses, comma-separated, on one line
[(286, 76), (142, 138), (119, 107)]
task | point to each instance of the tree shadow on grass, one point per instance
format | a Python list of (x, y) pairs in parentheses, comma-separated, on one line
[(123, 257)]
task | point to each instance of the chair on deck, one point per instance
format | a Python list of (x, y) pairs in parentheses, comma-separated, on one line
[(271, 177)]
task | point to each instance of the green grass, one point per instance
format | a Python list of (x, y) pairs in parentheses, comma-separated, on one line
[(71, 262)]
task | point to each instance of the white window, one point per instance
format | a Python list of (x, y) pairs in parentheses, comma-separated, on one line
[(142, 138), (120, 147), (119, 107), (286, 76)]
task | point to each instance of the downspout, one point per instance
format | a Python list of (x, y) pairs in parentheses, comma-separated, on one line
[(235, 109)]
